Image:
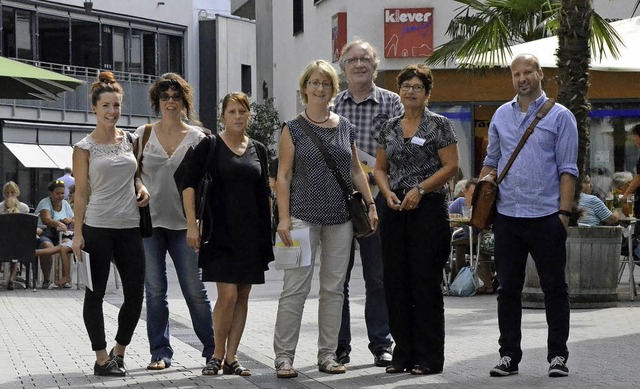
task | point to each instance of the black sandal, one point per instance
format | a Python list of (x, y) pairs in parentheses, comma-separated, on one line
[(235, 368), (393, 369), (423, 370), (212, 367)]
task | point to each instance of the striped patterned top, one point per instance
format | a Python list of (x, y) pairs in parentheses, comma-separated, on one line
[(409, 162)]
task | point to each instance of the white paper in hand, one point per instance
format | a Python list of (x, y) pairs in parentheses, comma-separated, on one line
[(297, 255), (84, 271)]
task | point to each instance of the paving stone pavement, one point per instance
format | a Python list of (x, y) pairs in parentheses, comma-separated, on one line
[(43, 344)]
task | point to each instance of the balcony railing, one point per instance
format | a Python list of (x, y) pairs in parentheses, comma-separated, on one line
[(136, 88)]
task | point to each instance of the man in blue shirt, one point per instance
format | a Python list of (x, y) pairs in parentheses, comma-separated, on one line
[(368, 107), (534, 204)]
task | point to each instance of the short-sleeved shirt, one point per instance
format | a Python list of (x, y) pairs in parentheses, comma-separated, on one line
[(594, 210), (165, 203), (65, 211), (112, 167), (457, 205), (22, 207), (315, 195), (369, 115), (413, 160)]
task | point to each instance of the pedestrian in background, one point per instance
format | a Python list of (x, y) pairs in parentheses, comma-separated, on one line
[(68, 180), (417, 155), (368, 107), (235, 246), (108, 227), (309, 196), (534, 207), (55, 216), (168, 141)]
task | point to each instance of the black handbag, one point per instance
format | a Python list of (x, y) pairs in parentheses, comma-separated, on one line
[(204, 185), (146, 226), (356, 206)]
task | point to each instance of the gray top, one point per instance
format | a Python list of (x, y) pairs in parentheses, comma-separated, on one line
[(157, 175), (112, 203)]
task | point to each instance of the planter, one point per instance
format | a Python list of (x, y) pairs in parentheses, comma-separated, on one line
[(593, 256)]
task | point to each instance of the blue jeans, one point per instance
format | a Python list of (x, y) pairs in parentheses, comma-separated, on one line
[(185, 261), (375, 306)]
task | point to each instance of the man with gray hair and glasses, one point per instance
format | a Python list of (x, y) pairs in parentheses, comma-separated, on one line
[(368, 107)]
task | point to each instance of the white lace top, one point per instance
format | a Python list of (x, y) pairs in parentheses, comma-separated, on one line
[(112, 201)]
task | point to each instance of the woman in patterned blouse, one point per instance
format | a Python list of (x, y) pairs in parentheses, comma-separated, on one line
[(308, 195), (417, 155)]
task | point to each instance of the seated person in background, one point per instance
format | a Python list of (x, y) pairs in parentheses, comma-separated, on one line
[(620, 182), (56, 216), (600, 183), (594, 211), (11, 204), (460, 241), (464, 197), (459, 189)]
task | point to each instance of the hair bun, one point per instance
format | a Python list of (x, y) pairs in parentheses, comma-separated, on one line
[(107, 78)]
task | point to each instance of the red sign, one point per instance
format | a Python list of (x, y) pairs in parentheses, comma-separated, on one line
[(338, 34), (408, 32)]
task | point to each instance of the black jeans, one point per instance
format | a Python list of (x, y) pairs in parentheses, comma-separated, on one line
[(545, 239), (124, 246), (415, 247)]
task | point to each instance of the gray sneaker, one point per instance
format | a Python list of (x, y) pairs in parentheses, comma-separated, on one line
[(558, 367)]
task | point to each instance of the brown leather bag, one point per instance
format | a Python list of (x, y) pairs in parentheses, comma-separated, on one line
[(483, 202)]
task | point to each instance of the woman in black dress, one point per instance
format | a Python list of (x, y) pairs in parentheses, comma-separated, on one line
[(235, 247)]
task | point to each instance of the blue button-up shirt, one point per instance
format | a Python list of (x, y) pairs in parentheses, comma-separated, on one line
[(531, 188)]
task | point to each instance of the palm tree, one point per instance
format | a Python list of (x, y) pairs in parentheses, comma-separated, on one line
[(482, 33)]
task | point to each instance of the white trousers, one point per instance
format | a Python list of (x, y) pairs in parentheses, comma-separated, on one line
[(334, 259)]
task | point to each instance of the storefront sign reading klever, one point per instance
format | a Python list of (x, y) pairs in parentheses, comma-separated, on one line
[(408, 32)]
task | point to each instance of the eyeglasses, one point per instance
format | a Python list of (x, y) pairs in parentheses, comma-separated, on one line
[(316, 84), (177, 98), (416, 88), (59, 182), (363, 60)]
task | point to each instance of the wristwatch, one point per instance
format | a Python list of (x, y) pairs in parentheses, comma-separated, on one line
[(420, 190)]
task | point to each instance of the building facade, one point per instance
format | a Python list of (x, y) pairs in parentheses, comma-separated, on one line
[(405, 32), (137, 41)]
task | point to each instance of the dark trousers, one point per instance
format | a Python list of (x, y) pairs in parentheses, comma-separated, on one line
[(375, 306), (415, 248), (124, 246), (544, 238)]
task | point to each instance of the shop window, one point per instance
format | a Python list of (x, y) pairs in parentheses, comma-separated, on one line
[(23, 34), (246, 79), (175, 54), (298, 17), (8, 32), (85, 44), (119, 50), (53, 39)]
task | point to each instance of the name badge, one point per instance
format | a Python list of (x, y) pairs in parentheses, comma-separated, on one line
[(418, 141)]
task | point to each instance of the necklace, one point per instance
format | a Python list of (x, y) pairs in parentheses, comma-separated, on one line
[(308, 117)]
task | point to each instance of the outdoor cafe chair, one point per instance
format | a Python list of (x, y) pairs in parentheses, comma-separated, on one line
[(18, 241)]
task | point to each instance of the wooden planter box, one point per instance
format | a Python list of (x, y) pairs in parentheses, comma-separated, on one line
[(593, 257)]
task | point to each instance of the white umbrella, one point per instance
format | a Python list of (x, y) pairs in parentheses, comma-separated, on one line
[(545, 51)]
